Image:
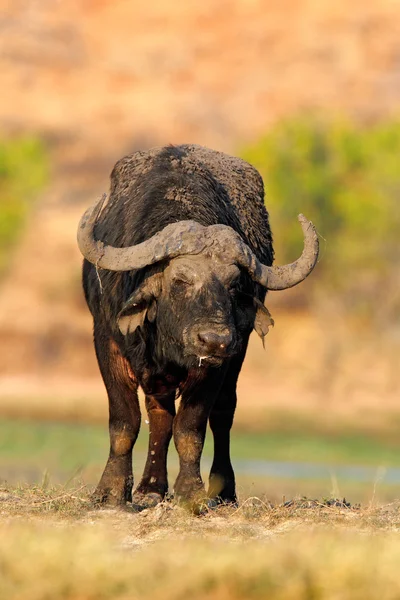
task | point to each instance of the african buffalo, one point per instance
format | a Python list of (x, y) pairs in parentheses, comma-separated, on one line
[(177, 264)]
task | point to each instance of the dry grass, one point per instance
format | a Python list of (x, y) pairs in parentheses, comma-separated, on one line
[(63, 502), (54, 544)]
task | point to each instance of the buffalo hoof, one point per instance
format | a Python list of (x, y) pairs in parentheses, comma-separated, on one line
[(108, 497), (200, 505), (142, 501), (113, 492), (210, 504), (196, 503), (220, 501)]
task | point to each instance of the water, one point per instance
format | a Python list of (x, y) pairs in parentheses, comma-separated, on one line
[(250, 468), (300, 470)]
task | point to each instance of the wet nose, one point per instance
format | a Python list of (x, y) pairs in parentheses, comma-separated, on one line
[(215, 342)]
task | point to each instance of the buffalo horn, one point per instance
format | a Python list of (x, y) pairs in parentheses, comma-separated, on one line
[(184, 237), (286, 276), (189, 237)]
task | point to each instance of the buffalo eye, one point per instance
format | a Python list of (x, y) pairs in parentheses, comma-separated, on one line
[(232, 278), (182, 282)]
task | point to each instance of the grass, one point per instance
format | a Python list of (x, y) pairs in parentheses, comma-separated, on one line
[(53, 544), (70, 445), (91, 570), (34, 452), (313, 447)]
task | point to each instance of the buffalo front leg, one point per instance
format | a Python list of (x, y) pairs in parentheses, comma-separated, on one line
[(189, 433), (222, 485), (154, 483), (115, 486)]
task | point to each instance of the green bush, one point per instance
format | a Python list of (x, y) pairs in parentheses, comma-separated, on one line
[(23, 172), (346, 179)]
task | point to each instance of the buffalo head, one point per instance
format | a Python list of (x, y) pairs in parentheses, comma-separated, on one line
[(197, 288)]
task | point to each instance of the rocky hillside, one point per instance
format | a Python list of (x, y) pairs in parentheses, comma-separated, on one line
[(115, 74)]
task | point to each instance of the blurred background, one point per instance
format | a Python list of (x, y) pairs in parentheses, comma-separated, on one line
[(309, 92)]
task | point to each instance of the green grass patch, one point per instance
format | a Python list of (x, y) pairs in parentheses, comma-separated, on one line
[(68, 446), (349, 449), (46, 453)]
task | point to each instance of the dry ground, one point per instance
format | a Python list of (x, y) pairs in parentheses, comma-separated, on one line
[(55, 544)]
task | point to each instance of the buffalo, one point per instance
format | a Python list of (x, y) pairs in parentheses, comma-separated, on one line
[(176, 267)]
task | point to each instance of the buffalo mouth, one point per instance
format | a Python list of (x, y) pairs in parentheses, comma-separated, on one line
[(199, 362), (212, 361)]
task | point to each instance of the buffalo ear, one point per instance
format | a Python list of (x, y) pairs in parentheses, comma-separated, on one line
[(152, 311), (131, 317), (263, 320), (142, 303)]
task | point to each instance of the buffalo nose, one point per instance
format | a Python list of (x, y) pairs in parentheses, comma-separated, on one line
[(215, 342)]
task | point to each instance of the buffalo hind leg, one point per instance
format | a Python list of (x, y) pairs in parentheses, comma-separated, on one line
[(222, 485), (115, 487), (189, 432), (154, 483)]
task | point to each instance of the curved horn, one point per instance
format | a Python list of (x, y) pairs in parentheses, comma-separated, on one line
[(189, 237), (184, 237), (281, 278)]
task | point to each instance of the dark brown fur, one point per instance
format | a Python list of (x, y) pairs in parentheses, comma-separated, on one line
[(176, 310)]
